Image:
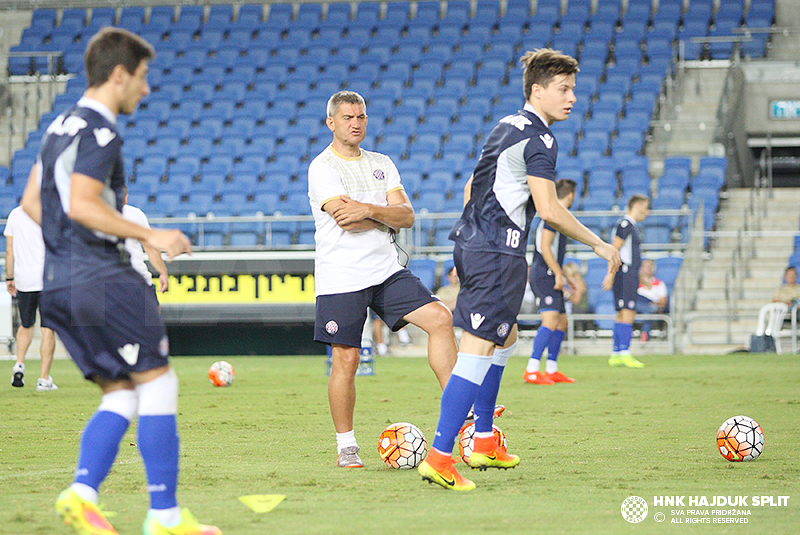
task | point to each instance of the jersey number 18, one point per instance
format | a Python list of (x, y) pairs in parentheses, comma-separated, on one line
[(512, 238)]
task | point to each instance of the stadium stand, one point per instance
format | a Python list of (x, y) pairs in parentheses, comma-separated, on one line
[(238, 96)]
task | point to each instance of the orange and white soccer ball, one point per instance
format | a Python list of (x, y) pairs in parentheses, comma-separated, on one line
[(221, 373), (466, 442), (740, 439), (402, 445)]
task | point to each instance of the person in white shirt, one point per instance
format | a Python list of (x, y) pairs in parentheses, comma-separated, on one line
[(137, 249), (24, 280), (358, 204), (652, 295)]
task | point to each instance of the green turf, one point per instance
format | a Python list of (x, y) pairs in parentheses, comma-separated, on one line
[(584, 447)]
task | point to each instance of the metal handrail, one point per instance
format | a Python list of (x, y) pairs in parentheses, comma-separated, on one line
[(572, 318)]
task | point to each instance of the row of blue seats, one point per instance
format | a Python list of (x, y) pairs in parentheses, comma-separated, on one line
[(368, 14), (71, 37)]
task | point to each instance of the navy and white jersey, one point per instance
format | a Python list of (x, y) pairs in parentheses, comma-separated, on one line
[(630, 252), (82, 140), (558, 247), (500, 209)]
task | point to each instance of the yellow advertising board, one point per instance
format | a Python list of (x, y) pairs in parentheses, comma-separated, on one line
[(238, 289)]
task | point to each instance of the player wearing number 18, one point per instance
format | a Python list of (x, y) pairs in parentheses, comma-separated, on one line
[(514, 178)]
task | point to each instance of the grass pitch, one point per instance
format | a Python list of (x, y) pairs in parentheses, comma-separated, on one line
[(585, 448)]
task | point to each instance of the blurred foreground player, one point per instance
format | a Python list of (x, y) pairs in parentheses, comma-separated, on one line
[(97, 303)]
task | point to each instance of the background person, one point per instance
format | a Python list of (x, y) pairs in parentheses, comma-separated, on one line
[(625, 282), (547, 280), (137, 249), (653, 296), (789, 291), (24, 274)]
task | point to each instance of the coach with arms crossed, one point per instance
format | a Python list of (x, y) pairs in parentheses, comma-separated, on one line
[(358, 204)]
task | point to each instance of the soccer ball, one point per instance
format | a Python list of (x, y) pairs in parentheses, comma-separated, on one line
[(740, 439), (402, 445), (221, 373), (466, 442)]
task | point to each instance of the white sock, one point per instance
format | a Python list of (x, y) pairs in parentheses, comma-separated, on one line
[(487, 434), (85, 491), (551, 366), (533, 366), (345, 440), (168, 517)]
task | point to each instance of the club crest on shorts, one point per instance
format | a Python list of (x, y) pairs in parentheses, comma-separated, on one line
[(502, 330), (163, 346), (378, 174), (332, 327), (548, 300)]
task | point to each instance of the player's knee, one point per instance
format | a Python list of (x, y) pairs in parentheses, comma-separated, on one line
[(439, 319), (346, 358), (122, 402), (159, 396)]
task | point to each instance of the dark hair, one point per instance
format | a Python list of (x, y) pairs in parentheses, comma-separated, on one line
[(111, 47), (637, 198), (790, 267), (544, 64), (565, 186), (349, 97)]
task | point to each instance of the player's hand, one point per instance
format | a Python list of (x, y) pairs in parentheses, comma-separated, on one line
[(608, 281), (171, 241), (163, 282), (559, 285), (11, 288), (349, 212), (609, 253)]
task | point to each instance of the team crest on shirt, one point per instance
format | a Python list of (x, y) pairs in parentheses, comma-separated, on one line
[(502, 330), (332, 327), (547, 139), (163, 346), (378, 174)]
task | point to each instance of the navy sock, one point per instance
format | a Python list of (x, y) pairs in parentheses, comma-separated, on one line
[(99, 447), (540, 342), (486, 399), (625, 334), (159, 445), (554, 347), (615, 337), (457, 398)]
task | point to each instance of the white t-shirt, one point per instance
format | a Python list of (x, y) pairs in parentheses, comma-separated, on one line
[(28, 249), (656, 291), (133, 246), (351, 261)]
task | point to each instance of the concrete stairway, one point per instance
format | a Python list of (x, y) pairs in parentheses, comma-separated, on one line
[(687, 127), (762, 264)]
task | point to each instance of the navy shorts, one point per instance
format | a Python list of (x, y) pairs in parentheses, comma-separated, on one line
[(28, 302), (626, 283), (110, 327), (492, 288), (542, 281), (340, 317)]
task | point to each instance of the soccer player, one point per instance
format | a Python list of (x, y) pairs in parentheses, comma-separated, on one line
[(514, 178), (358, 204), (24, 273), (94, 299), (547, 280), (137, 250), (626, 281)]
